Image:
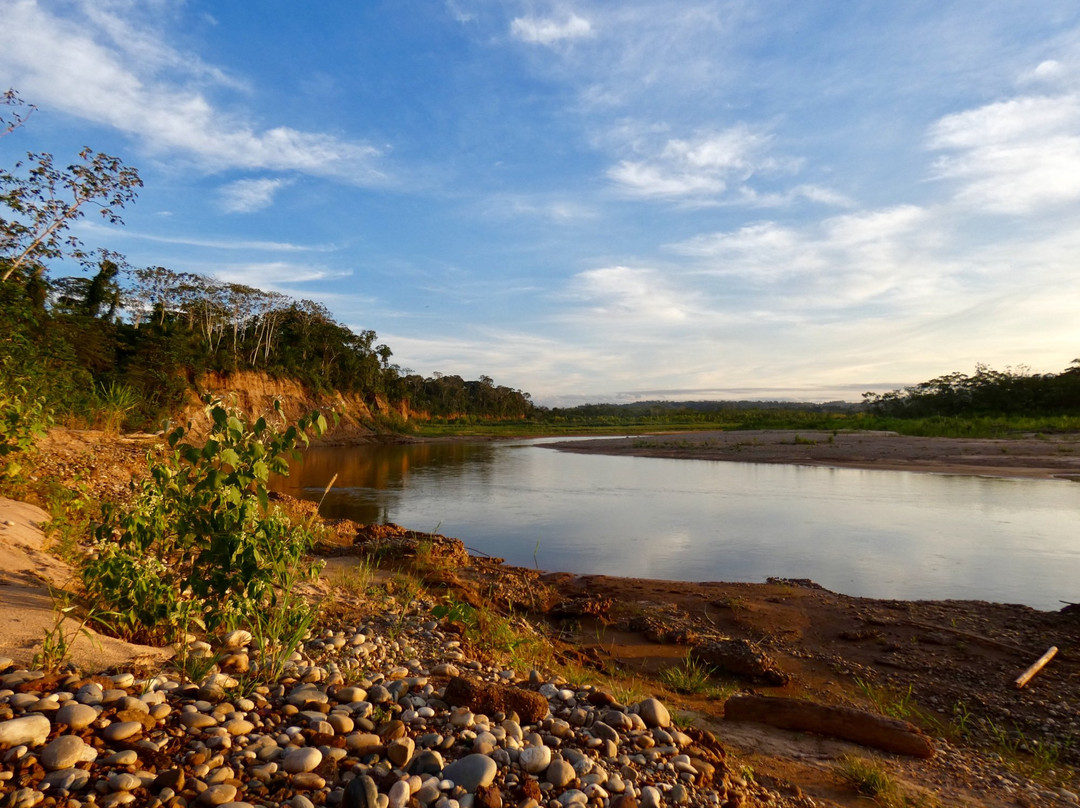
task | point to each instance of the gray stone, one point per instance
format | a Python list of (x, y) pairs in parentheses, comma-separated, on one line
[(304, 759), (361, 793), (534, 759), (122, 781), (76, 715), (424, 762), (602, 730), (560, 773), (31, 730), (654, 713), (471, 772), (67, 779), (64, 752)]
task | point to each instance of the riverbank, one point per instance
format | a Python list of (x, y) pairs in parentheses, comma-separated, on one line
[(1040, 457), (947, 666)]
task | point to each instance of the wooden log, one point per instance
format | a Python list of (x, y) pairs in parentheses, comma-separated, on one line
[(860, 726), (1039, 664)]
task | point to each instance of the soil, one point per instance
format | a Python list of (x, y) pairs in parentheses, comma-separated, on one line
[(947, 666)]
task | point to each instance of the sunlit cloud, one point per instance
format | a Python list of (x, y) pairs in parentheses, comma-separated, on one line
[(89, 69), (248, 196)]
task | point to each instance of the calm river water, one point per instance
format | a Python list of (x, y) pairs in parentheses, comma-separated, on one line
[(882, 534)]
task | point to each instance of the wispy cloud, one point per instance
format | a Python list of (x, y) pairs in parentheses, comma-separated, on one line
[(550, 30), (209, 243), (100, 68), (629, 293), (1017, 156), (248, 196), (273, 274), (701, 166)]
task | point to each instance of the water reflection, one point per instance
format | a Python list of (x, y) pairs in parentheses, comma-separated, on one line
[(881, 534)]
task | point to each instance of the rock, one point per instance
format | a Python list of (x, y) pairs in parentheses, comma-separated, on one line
[(121, 730), (170, 778), (741, 657), (236, 639), (123, 781), (304, 759), (650, 797), (348, 695), (400, 750), (471, 771), (31, 730), (426, 761), (560, 773), (601, 730), (67, 779), (361, 793), (489, 699), (624, 801), (534, 759), (76, 715), (848, 723), (488, 797), (654, 713), (64, 752), (218, 795), (399, 794)]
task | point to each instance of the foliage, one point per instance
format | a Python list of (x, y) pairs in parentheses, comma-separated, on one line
[(23, 418), (44, 200), (988, 392), (870, 780), (201, 531)]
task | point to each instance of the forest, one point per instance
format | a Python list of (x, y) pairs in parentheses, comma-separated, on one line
[(129, 344)]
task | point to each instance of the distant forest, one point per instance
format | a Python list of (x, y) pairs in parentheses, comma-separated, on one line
[(988, 392)]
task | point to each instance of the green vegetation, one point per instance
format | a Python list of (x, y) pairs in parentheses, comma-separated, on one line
[(200, 545), (118, 346), (870, 780)]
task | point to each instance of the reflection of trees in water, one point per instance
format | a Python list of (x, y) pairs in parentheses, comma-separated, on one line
[(371, 479)]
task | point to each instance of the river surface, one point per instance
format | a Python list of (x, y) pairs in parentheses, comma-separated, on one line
[(883, 534)]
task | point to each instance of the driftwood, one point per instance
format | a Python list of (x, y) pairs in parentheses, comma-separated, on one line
[(970, 635), (868, 729), (1039, 664)]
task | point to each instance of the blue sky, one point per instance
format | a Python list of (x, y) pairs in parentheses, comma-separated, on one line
[(599, 201)]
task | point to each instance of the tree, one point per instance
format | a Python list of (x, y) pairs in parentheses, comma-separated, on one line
[(44, 200)]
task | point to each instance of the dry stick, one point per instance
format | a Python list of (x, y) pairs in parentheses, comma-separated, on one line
[(1040, 663)]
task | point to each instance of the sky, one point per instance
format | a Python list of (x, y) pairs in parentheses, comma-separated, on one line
[(598, 201)]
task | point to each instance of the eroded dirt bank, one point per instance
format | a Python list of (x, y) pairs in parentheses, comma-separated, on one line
[(1053, 456)]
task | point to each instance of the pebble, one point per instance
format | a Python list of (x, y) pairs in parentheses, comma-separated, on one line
[(30, 729), (76, 715), (65, 751), (471, 771), (654, 713), (304, 759), (121, 730)]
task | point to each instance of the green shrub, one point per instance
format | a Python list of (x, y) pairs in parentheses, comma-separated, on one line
[(200, 545), (23, 417)]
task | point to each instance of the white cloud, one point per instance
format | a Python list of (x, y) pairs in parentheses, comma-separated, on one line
[(273, 274), (627, 293), (702, 166), (548, 31), (248, 196), (1017, 156), (89, 68), (87, 225)]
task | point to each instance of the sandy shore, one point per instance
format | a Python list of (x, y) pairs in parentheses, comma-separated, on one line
[(1043, 457)]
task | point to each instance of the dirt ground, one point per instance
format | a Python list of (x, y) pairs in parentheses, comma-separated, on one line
[(947, 666)]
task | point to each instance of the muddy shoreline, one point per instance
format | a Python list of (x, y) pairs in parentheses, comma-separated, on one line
[(1052, 457)]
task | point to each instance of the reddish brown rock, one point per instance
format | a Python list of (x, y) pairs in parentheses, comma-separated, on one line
[(490, 699)]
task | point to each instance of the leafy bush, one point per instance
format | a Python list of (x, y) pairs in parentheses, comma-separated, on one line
[(200, 544), (23, 417)]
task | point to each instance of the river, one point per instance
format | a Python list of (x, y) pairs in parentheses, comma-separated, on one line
[(882, 534)]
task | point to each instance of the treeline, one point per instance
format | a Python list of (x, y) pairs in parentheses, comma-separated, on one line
[(689, 411), (131, 342), (988, 392)]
